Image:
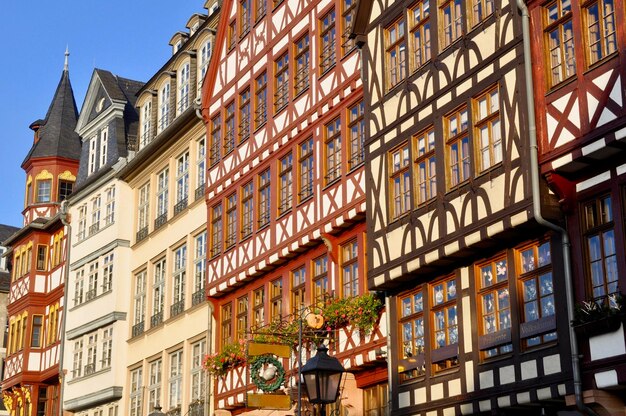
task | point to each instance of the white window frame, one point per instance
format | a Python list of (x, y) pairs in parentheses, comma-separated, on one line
[(79, 284), (77, 365), (146, 125), (143, 214), (92, 282), (96, 203), (82, 222), (164, 107), (136, 390), (104, 139), (93, 161), (110, 206), (201, 162), (179, 274), (183, 87), (158, 287), (107, 348), (198, 377), (205, 56), (175, 379), (154, 383), (107, 273), (140, 297), (162, 191), (182, 177)]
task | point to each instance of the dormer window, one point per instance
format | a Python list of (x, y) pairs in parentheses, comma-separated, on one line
[(164, 106), (104, 137), (183, 88), (44, 190), (93, 161), (146, 124), (205, 54), (178, 45)]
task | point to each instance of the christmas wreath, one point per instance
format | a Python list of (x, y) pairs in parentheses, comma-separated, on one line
[(267, 373)]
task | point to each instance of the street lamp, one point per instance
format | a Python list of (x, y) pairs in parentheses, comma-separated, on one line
[(322, 378), (157, 411)]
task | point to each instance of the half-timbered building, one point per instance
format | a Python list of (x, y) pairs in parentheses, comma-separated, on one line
[(580, 73), (456, 223), (36, 304), (283, 106), (169, 327)]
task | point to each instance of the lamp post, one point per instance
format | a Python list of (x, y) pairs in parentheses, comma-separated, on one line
[(322, 378)]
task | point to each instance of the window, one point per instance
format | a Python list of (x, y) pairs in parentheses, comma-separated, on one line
[(285, 182), (305, 163), (201, 168), (162, 197), (110, 205), (216, 230), (92, 282), (320, 280), (332, 142), (247, 209), (104, 138), (200, 269), (419, 25), (143, 210), (65, 189), (480, 10), (182, 182), (136, 390), (276, 300), (154, 383), (260, 8), (36, 331), (281, 86), (226, 317), (82, 222), (205, 54), (53, 324), (93, 161), (158, 293), (298, 290), (146, 124), (400, 178), (231, 220), (347, 16), (445, 326), (232, 35), (179, 275), (42, 257), (229, 128), (56, 252), (198, 383), (176, 378), (164, 107), (487, 129), (350, 269), (244, 115), (44, 190), (395, 47), (539, 322), (425, 165), (495, 308), (107, 347), (260, 100), (264, 198), (216, 140), (376, 400), (599, 17), (412, 361), (183, 88), (258, 313), (77, 363), (457, 147), (139, 304), (79, 287), (600, 251), (92, 352), (245, 7), (450, 13), (95, 215), (107, 273), (356, 128), (242, 317), (559, 38), (327, 41), (302, 67)]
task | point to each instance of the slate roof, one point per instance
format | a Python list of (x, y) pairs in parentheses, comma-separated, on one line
[(7, 231), (57, 136), (118, 88)]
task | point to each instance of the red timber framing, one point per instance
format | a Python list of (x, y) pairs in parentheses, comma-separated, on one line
[(291, 190), (580, 104)]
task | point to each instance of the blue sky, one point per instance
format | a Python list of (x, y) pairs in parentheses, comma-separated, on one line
[(128, 38)]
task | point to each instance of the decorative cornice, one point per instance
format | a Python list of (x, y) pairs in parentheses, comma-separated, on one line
[(94, 399), (96, 324)]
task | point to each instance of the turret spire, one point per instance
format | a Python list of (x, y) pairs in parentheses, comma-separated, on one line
[(66, 66)]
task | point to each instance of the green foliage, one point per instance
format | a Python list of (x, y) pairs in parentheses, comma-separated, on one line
[(231, 356), (596, 309), (362, 312)]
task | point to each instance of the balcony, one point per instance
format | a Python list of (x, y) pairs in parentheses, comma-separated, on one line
[(199, 192), (94, 228), (183, 103), (198, 297), (160, 220), (138, 328), (142, 234), (180, 206), (156, 319), (90, 369), (91, 294), (177, 308)]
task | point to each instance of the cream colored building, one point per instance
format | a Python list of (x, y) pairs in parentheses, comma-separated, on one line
[(169, 329)]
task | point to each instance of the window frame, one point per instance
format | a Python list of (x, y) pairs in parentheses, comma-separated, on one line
[(327, 41), (425, 161), (281, 82), (460, 138), (492, 122), (285, 184), (260, 100), (302, 59), (395, 46), (332, 151), (400, 175)]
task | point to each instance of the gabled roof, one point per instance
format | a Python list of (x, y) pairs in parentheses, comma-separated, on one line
[(6, 231), (57, 137), (118, 88)]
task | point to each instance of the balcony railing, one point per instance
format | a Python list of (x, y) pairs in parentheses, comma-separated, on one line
[(91, 294), (199, 191), (160, 220), (177, 308), (142, 234), (156, 319), (90, 369), (146, 138), (94, 228), (180, 206), (164, 121), (198, 297), (183, 103), (138, 328)]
